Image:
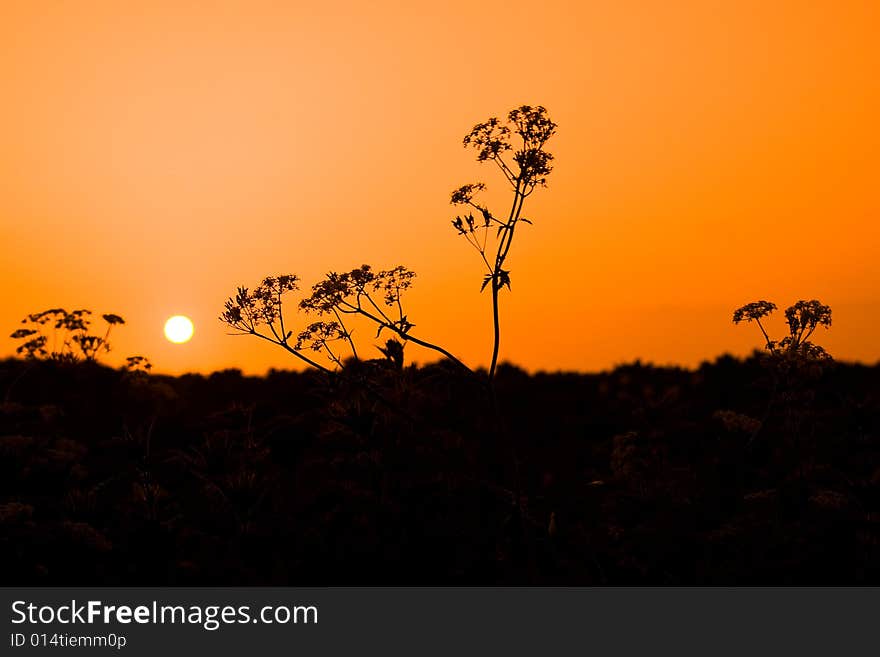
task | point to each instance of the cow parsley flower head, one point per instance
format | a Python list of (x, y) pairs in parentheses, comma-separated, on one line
[(753, 311)]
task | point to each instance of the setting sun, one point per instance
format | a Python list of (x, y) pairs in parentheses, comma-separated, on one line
[(179, 329)]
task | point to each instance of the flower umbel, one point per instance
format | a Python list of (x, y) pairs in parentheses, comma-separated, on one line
[(753, 311)]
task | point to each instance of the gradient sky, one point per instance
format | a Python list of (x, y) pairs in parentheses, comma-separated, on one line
[(155, 155)]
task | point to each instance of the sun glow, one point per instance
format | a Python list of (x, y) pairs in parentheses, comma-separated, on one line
[(179, 329)]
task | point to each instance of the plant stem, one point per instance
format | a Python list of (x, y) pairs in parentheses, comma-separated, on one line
[(496, 343), (293, 351), (503, 249), (406, 336)]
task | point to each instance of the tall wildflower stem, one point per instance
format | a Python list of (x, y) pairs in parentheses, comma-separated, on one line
[(529, 169), (500, 257), (767, 341)]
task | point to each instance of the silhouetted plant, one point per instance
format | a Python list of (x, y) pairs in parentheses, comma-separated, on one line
[(793, 361), (374, 296), (70, 337), (528, 169), (260, 313), (803, 318), (377, 296), (360, 292)]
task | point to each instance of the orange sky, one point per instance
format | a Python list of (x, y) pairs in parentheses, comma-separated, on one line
[(154, 155)]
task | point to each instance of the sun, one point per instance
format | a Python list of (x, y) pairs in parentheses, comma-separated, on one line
[(179, 329)]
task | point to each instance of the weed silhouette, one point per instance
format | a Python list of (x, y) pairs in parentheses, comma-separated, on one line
[(63, 336), (530, 166), (361, 292), (378, 296), (803, 318), (794, 363)]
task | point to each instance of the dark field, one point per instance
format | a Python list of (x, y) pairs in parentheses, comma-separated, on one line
[(643, 475)]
